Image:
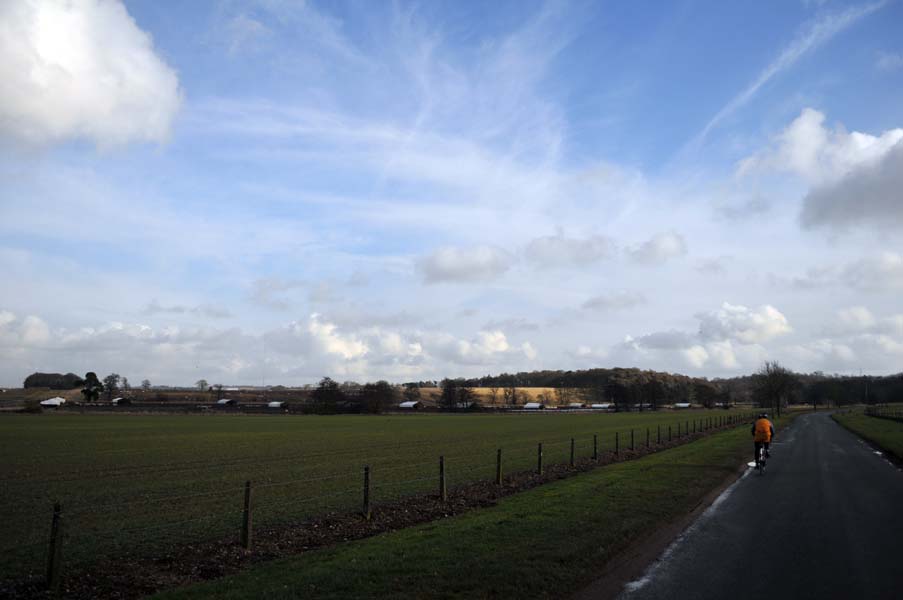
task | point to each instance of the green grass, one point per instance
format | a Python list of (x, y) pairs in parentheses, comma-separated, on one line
[(885, 433), (134, 483), (545, 543)]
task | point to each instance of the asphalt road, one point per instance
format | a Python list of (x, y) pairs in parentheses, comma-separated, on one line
[(825, 521)]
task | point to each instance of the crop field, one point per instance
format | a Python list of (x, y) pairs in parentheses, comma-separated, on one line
[(134, 484)]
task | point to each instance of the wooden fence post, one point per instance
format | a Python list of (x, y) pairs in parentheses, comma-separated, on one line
[(366, 511), (658, 439), (631, 439), (687, 428), (498, 467), (669, 433), (647, 437), (443, 490), (246, 519), (595, 446), (617, 443), (55, 553), (572, 452), (539, 459)]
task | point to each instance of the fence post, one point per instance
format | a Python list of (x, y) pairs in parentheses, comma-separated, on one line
[(647, 437), (366, 511), (539, 459), (631, 439), (443, 490), (687, 428), (572, 452), (246, 519), (498, 467), (658, 438), (669, 433), (595, 446), (55, 553), (617, 443)]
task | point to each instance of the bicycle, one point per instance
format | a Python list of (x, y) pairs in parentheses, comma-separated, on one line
[(760, 460)]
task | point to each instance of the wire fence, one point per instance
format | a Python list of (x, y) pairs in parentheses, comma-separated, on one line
[(86, 531)]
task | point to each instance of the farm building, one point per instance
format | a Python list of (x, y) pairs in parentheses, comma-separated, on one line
[(576, 405), (275, 404), (225, 402), (411, 405), (534, 406), (604, 406), (682, 405), (120, 401), (57, 402)]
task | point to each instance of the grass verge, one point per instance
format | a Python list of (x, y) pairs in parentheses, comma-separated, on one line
[(884, 433), (544, 543)]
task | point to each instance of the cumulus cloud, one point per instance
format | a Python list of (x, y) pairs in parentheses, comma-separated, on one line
[(560, 251), (745, 325), (659, 248), (480, 263), (819, 154), (854, 177), (871, 193), (614, 301), (728, 338), (269, 292), (81, 69)]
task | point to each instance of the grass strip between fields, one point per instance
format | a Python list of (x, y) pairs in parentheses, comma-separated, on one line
[(543, 543), (884, 433)]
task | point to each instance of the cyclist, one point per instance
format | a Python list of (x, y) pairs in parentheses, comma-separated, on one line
[(763, 433)]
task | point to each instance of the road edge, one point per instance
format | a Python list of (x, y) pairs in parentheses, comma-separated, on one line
[(636, 558)]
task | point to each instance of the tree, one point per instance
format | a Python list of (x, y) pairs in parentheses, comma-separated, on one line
[(509, 393), (93, 387), (111, 384), (377, 397), (494, 394), (202, 385), (218, 391), (126, 387), (706, 393), (773, 386), (449, 397), (146, 385), (327, 396), (411, 392)]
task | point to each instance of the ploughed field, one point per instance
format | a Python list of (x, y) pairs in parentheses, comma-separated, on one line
[(138, 484)]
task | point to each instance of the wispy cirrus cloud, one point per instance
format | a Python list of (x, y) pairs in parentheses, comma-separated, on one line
[(816, 33)]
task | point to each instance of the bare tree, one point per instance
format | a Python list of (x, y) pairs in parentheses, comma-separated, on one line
[(774, 385), (494, 394), (202, 385), (146, 385), (510, 395)]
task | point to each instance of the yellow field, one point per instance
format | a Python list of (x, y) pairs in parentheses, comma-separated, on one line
[(431, 396)]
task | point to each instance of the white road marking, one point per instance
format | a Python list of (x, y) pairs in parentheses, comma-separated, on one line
[(651, 571)]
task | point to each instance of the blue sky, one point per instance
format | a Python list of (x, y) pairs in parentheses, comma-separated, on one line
[(273, 190)]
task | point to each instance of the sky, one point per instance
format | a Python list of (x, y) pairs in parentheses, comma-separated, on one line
[(270, 191)]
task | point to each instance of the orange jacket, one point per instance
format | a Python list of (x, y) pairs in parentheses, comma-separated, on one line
[(763, 430)]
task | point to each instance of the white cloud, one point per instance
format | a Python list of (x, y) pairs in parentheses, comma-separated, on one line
[(81, 69), (348, 347), (659, 248), (872, 194), (560, 251), (480, 263), (818, 154), (745, 325)]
